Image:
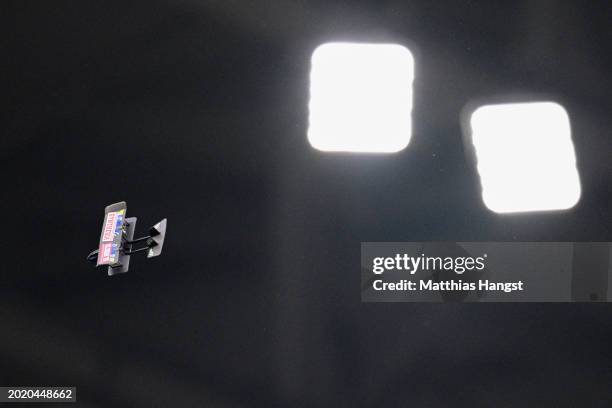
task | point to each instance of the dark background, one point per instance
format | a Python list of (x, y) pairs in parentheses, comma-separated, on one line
[(197, 111)]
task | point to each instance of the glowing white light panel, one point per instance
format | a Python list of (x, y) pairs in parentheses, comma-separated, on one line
[(526, 158), (360, 97)]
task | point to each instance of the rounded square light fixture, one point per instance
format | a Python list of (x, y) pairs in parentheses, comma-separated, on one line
[(360, 97), (525, 157)]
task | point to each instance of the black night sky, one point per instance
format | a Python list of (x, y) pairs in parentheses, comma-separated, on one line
[(197, 111)]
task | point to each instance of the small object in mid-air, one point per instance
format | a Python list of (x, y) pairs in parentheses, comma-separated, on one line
[(117, 241)]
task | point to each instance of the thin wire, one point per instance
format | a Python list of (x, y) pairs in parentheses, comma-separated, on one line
[(93, 255), (130, 252), (138, 239)]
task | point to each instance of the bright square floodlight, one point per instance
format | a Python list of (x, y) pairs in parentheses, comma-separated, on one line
[(526, 158), (360, 97)]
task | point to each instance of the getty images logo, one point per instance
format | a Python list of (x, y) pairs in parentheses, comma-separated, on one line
[(412, 264)]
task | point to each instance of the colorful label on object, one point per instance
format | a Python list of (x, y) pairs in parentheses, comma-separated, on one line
[(110, 242)]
